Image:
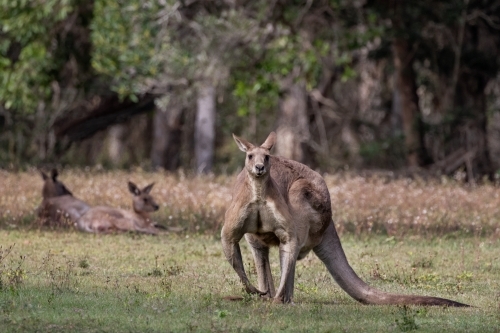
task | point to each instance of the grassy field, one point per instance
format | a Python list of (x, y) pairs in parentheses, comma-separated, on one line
[(432, 238)]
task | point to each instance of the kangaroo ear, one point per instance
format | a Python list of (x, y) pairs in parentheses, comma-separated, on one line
[(54, 174), (44, 175), (148, 188), (270, 141), (65, 190), (243, 144), (133, 188)]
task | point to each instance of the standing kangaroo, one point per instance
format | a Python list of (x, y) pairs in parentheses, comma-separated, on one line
[(106, 219), (58, 203), (280, 202)]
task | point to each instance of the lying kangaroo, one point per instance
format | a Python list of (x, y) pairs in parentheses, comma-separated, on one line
[(58, 204), (106, 219), (52, 187), (280, 202)]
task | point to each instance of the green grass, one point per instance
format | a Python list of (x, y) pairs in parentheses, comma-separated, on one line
[(75, 282)]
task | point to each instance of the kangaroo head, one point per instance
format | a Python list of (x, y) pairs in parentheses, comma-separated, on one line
[(257, 162), (143, 202), (52, 187)]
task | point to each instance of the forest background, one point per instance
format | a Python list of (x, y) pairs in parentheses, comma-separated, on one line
[(367, 84)]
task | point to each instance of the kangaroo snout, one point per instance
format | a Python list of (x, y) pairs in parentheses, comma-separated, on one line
[(260, 169)]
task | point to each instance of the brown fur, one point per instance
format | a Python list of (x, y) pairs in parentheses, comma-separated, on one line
[(59, 206), (106, 219), (52, 187), (280, 202)]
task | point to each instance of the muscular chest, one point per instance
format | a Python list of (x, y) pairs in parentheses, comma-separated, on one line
[(262, 217)]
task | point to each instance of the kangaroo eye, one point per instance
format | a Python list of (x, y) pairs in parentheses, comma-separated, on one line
[(250, 156), (267, 158)]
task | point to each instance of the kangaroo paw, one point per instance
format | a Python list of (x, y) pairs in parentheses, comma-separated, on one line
[(252, 290)]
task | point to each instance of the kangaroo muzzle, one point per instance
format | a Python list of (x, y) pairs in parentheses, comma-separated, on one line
[(259, 169)]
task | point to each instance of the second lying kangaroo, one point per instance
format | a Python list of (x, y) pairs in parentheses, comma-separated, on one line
[(107, 219), (59, 205)]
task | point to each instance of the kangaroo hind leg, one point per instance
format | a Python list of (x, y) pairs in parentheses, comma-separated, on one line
[(260, 253), (288, 260)]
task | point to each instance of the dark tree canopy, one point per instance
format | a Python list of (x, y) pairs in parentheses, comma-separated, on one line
[(360, 84)]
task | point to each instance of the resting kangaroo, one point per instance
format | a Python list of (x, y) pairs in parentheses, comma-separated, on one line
[(52, 187), (280, 202), (58, 204), (106, 219)]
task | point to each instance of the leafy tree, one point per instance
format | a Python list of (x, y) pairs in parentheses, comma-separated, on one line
[(339, 58), (43, 63)]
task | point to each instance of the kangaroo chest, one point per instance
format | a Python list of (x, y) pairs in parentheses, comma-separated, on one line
[(262, 217)]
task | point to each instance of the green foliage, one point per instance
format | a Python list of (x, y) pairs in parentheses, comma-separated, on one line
[(258, 92), (407, 321), (388, 153), (83, 263), (124, 43), (26, 29), (11, 273), (255, 95), (250, 51)]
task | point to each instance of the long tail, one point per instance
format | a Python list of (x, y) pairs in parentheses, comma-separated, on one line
[(331, 253)]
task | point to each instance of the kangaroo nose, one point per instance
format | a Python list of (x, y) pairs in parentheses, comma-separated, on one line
[(259, 168), (156, 207)]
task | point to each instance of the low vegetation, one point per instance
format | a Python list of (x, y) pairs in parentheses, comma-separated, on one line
[(432, 238)]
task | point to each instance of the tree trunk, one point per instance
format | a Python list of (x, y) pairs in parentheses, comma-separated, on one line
[(293, 125), (116, 147), (408, 99), (167, 135), (470, 98), (493, 131), (204, 135)]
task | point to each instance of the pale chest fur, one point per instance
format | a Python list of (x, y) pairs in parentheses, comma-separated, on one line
[(261, 213)]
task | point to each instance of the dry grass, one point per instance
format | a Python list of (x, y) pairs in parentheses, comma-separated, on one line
[(360, 204), (405, 206)]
